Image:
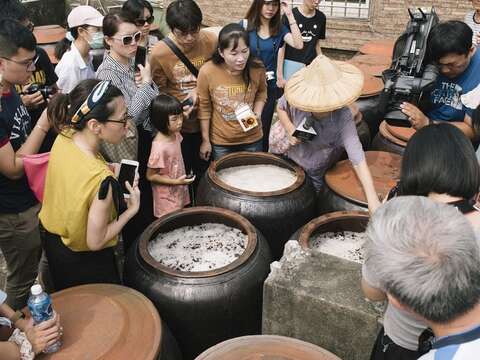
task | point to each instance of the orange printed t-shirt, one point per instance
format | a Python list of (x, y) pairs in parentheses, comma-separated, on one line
[(220, 93), (174, 78)]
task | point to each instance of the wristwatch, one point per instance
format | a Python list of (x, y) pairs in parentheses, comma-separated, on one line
[(17, 316)]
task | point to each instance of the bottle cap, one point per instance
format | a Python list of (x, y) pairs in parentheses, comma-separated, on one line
[(36, 289)]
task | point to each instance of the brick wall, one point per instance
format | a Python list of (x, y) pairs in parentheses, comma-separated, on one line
[(387, 18)]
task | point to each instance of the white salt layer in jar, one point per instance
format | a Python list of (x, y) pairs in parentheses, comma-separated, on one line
[(258, 178), (344, 244), (196, 248)]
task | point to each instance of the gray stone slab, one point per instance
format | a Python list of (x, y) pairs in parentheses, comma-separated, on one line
[(317, 298)]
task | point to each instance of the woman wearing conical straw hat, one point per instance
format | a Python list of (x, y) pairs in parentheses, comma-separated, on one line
[(320, 95)]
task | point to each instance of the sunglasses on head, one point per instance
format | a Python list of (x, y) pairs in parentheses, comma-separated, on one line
[(142, 22), (130, 39)]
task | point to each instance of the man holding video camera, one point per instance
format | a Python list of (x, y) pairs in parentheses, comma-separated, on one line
[(450, 49)]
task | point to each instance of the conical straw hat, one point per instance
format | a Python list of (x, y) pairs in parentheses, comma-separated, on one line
[(324, 85)]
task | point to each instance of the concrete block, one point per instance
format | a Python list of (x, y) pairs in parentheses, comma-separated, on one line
[(317, 298)]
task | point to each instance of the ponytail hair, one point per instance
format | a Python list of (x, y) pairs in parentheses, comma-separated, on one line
[(63, 107)]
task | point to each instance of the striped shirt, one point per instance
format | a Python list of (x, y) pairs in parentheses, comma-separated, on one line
[(138, 101), (463, 346), (475, 26)]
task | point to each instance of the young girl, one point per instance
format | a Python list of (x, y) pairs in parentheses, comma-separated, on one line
[(166, 170), (233, 80)]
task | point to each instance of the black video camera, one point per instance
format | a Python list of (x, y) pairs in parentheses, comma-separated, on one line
[(409, 75), (45, 90)]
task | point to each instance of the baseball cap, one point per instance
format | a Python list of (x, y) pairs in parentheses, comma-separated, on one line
[(84, 15)]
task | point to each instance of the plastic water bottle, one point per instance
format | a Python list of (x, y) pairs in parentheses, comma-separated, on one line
[(40, 306)]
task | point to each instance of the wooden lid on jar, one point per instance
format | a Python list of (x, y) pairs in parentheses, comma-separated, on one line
[(108, 322), (49, 34), (266, 347), (400, 132), (385, 170), (371, 64), (378, 47), (385, 132), (371, 86)]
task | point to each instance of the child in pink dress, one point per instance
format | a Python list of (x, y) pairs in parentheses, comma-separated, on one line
[(166, 170)]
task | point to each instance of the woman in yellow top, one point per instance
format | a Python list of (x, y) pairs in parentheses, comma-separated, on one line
[(80, 203)]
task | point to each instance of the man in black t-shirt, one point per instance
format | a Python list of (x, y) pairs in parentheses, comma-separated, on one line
[(44, 74), (19, 233), (312, 24)]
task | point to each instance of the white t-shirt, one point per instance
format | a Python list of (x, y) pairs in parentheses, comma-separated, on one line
[(470, 21), (464, 346), (72, 69)]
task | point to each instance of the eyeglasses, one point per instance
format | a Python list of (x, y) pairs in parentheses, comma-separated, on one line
[(142, 22), (124, 121), (179, 33), (130, 39), (27, 63)]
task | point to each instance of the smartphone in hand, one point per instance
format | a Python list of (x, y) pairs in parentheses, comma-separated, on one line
[(140, 56), (128, 170)]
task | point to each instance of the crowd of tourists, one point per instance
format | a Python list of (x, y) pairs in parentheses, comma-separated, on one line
[(182, 107)]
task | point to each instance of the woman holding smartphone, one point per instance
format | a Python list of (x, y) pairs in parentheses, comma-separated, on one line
[(267, 35), (80, 205), (232, 92), (122, 38)]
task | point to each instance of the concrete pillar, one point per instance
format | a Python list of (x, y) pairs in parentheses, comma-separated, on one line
[(317, 298)]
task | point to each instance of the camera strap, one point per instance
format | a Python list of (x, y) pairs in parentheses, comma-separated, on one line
[(181, 56)]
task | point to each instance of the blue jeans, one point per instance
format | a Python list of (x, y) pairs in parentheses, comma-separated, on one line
[(220, 150)]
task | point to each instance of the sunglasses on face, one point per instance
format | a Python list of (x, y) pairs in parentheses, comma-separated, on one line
[(142, 22), (129, 39)]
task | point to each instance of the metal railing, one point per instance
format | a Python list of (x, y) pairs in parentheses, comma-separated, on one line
[(356, 9)]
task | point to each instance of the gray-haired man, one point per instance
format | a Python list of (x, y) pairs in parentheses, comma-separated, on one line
[(425, 257)]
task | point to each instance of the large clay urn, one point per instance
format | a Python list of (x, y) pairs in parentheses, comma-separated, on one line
[(203, 308), (267, 347), (392, 138), (276, 213), (343, 190)]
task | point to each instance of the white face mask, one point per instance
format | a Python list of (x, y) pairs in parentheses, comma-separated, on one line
[(96, 40)]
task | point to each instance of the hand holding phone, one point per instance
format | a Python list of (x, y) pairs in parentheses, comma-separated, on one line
[(127, 173), (186, 179), (140, 56)]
